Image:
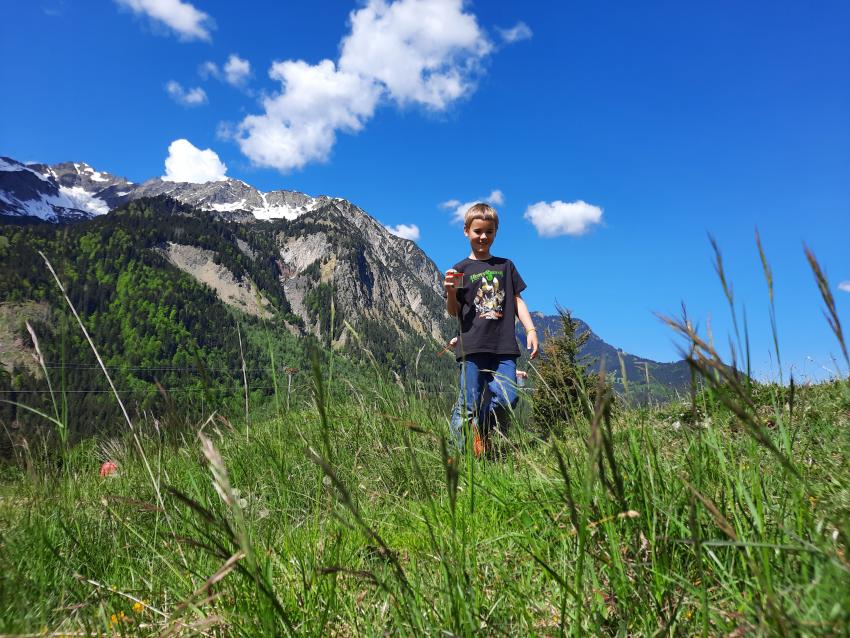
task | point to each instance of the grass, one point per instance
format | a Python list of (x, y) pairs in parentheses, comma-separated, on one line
[(345, 515), (355, 525)]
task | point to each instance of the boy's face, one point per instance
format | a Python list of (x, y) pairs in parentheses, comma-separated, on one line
[(481, 233)]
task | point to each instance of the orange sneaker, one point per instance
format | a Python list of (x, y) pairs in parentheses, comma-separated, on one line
[(478, 446)]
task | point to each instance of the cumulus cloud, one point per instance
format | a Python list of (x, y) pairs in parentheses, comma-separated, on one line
[(552, 219), (235, 71), (299, 125), (520, 31), (188, 163), (186, 97), (422, 52), (458, 208), (405, 231), (844, 286), (180, 17)]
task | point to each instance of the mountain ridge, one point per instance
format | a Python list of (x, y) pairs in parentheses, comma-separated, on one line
[(73, 191)]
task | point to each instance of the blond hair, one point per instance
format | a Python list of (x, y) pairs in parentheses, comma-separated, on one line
[(481, 211)]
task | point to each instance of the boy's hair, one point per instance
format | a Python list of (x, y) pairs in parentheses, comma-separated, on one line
[(480, 211)]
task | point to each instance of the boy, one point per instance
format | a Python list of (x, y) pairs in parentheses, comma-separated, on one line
[(483, 292)]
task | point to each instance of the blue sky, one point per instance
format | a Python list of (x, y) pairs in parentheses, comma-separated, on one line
[(631, 132)]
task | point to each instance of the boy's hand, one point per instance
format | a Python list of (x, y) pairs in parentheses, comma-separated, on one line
[(450, 282), (531, 343)]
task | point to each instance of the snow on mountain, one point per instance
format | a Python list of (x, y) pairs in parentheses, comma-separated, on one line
[(74, 190), (36, 191)]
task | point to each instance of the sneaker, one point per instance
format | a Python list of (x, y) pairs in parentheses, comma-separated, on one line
[(479, 448)]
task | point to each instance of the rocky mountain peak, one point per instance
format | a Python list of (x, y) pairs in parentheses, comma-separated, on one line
[(71, 191)]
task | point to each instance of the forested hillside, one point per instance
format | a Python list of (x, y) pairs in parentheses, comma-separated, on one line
[(169, 341)]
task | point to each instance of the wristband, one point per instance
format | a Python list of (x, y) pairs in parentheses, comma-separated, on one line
[(530, 330)]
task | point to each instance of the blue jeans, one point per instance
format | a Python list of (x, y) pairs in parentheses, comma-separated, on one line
[(480, 372)]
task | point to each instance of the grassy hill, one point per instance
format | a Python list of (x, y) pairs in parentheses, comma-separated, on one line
[(343, 516)]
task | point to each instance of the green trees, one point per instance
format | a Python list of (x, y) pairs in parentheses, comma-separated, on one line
[(566, 389)]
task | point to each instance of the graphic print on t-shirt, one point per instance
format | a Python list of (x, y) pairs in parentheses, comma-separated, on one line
[(490, 295)]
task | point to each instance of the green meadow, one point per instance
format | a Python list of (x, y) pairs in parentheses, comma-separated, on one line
[(345, 516), (339, 509)]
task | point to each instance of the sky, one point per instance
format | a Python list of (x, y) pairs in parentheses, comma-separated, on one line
[(614, 138)]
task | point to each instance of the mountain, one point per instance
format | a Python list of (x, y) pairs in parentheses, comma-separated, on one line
[(74, 191), (66, 192), (376, 276)]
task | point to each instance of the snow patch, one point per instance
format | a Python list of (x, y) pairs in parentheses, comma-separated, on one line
[(45, 206), (279, 212), (222, 208), (97, 176), (41, 208), (77, 197)]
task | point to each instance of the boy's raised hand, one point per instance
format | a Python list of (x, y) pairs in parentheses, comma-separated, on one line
[(450, 282)]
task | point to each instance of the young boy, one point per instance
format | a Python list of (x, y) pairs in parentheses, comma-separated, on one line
[(483, 292)]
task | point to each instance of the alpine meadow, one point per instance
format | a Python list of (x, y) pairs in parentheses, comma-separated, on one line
[(244, 392)]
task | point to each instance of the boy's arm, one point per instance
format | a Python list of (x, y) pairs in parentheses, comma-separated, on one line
[(451, 297), (530, 331)]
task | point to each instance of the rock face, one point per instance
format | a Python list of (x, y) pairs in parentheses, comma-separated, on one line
[(200, 264), (374, 275)]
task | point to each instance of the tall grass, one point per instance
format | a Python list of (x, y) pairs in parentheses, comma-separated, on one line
[(347, 515)]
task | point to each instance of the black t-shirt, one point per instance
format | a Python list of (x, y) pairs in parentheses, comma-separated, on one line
[(487, 306)]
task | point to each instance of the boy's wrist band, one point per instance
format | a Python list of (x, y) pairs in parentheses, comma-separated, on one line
[(531, 330)]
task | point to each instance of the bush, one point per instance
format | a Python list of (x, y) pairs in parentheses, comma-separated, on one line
[(566, 389)]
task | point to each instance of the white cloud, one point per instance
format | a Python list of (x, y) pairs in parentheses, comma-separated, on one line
[(235, 71), (520, 31), (187, 163), (181, 17), (209, 69), (299, 125), (844, 286), (552, 219), (190, 97), (405, 231), (424, 52), (458, 208)]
